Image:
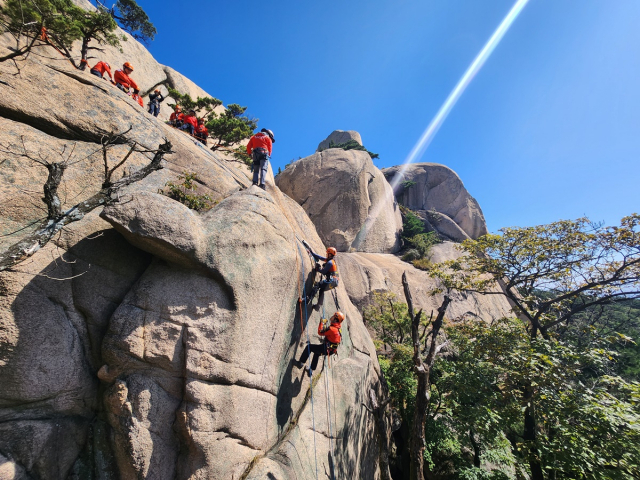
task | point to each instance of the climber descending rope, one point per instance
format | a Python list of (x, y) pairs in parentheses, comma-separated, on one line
[(329, 270), (332, 333)]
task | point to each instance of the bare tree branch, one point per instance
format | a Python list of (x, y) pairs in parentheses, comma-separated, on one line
[(57, 219)]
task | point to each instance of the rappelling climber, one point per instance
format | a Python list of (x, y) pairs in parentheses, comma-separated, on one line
[(329, 270), (201, 131), (176, 117), (122, 79), (332, 332), (100, 68), (259, 147), (155, 99)]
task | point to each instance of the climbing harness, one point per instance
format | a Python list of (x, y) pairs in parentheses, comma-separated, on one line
[(330, 349)]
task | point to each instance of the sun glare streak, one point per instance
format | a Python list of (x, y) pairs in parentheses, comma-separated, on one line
[(425, 139)]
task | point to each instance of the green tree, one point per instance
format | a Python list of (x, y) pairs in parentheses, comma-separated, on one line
[(98, 25), (403, 332), (58, 23), (352, 145), (39, 22), (580, 267), (132, 18), (412, 224), (230, 127), (204, 106), (588, 418)]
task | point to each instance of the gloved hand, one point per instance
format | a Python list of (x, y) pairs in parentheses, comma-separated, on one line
[(317, 267)]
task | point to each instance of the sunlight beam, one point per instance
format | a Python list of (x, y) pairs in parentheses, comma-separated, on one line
[(437, 121)]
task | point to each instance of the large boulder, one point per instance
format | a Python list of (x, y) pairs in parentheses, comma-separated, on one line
[(367, 273), (209, 365), (347, 198), (439, 195), (337, 137)]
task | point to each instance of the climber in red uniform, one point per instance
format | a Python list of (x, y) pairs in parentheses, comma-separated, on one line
[(123, 81), (190, 122), (201, 131), (100, 68), (332, 333), (329, 270), (259, 147), (176, 117), (136, 96)]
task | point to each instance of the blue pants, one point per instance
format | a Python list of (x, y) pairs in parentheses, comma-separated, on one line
[(154, 109), (260, 171)]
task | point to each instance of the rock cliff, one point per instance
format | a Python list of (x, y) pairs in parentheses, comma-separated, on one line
[(347, 198), (438, 195), (149, 341)]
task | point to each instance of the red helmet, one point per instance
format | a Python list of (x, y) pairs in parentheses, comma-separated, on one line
[(338, 317), (127, 65), (331, 252)]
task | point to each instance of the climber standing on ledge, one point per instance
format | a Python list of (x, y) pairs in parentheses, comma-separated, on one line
[(332, 333), (154, 102), (329, 270), (259, 147)]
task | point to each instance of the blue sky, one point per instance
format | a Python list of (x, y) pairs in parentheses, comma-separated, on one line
[(547, 130)]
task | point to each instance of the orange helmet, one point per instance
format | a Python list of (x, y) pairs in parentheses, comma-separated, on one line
[(127, 65), (331, 251), (338, 317)]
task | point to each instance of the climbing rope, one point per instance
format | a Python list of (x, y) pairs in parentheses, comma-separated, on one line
[(328, 401), (306, 324)]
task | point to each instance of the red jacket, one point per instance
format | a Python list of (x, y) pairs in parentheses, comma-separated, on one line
[(203, 130), (192, 120), (180, 116), (102, 68), (259, 140), (124, 80), (332, 332), (138, 99)]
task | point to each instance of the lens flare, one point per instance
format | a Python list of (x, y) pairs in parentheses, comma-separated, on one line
[(424, 141)]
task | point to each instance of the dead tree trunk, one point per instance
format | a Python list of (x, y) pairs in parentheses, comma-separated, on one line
[(422, 368), (25, 248), (379, 414), (54, 206)]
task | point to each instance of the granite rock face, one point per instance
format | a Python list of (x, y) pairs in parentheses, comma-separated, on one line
[(347, 198), (367, 273), (337, 137), (438, 194), (147, 340)]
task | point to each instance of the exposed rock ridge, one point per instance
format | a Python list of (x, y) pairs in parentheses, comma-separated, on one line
[(439, 195), (347, 198)]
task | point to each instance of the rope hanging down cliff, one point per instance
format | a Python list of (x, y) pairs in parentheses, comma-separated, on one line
[(306, 324)]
